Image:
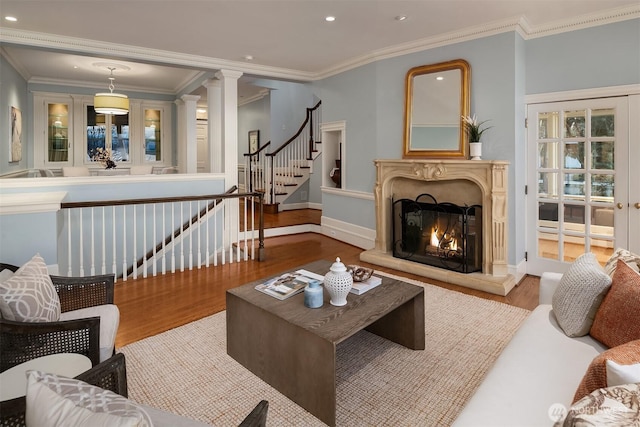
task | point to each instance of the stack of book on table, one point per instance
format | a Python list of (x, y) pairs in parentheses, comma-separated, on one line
[(360, 288)]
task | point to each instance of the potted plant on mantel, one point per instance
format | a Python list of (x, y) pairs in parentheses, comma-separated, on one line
[(474, 133)]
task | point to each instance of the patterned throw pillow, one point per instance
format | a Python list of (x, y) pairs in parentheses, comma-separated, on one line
[(58, 401), (617, 320), (611, 406), (597, 376), (29, 295), (579, 295), (630, 258)]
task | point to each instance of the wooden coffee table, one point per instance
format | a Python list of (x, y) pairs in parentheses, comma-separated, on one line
[(293, 348)]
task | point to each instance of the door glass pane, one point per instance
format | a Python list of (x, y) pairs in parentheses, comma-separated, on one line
[(120, 138), (548, 185), (574, 123), (548, 215), (152, 140), (548, 125), (574, 184), (574, 155), (602, 220), (572, 248), (548, 245), (602, 122), (602, 186), (547, 155), (58, 133), (574, 214), (96, 135), (602, 155)]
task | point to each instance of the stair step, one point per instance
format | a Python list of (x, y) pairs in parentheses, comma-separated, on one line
[(290, 185)]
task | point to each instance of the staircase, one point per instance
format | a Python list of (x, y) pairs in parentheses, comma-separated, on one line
[(279, 173)]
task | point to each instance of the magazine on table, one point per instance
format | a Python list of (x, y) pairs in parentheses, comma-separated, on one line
[(360, 288), (288, 284)]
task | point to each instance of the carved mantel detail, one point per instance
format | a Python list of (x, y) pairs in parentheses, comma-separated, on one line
[(485, 180)]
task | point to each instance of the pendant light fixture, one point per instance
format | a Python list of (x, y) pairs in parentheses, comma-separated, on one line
[(110, 102)]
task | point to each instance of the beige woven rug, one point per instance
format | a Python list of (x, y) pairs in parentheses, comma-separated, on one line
[(187, 371)]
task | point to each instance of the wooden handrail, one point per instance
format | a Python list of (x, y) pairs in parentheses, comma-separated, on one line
[(298, 133)]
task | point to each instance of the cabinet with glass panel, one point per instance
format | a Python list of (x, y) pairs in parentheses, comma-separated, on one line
[(58, 142)]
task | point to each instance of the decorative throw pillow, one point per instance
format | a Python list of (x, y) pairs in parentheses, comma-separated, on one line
[(611, 406), (58, 401), (29, 295), (579, 295), (622, 374), (630, 258), (597, 374), (617, 320)]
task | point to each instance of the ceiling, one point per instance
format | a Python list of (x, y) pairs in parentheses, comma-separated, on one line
[(168, 44)]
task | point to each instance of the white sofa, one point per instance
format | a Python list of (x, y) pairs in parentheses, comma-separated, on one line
[(540, 367)]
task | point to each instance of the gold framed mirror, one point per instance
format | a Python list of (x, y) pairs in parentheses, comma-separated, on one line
[(436, 98)]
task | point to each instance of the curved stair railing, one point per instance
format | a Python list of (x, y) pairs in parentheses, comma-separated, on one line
[(276, 173)]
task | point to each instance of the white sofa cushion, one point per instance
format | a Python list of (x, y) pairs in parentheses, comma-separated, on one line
[(540, 367), (162, 418), (579, 295), (109, 322)]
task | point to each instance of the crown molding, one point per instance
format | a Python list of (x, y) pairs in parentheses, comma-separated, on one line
[(15, 64), (136, 53), (518, 24), (259, 95)]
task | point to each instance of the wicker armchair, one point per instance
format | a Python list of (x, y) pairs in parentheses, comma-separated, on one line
[(22, 341), (111, 375)]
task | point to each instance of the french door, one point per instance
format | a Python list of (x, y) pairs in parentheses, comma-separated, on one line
[(583, 196)]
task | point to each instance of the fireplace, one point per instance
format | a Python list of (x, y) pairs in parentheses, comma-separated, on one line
[(472, 182), (443, 235)]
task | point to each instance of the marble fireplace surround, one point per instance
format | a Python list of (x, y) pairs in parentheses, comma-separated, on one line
[(482, 182)]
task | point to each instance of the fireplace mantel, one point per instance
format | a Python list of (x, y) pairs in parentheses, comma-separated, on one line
[(486, 178)]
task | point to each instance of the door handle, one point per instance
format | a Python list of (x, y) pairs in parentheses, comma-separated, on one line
[(619, 205), (637, 205)]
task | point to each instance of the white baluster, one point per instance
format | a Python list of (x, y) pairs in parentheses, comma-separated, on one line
[(92, 268), (154, 242), (81, 246), (135, 243), (164, 242), (207, 239), (181, 237), (104, 244), (173, 246), (144, 241), (190, 231), (198, 209), (215, 233), (124, 243), (69, 258), (113, 237)]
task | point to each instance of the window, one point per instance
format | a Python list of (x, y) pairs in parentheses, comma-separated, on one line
[(115, 141)]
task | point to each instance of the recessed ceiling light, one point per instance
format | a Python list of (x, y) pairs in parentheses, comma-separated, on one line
[(201, 110), (439, 78), (11, 18), (330, 18), (248, 57), (401, 18)]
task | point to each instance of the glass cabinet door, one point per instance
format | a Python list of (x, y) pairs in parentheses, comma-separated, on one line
[(58, 143), (152, 135)]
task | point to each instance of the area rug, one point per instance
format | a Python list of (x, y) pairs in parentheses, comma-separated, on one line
[(379, 383)]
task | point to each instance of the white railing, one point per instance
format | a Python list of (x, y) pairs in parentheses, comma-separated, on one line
[(132, 238)]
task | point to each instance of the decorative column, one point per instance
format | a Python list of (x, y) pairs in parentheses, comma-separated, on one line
[(190, 132), (181, 141), (214, 123), (229, 145)]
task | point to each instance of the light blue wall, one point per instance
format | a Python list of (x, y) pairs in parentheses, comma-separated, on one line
[(608, 55), (252, 116), (13, 92)]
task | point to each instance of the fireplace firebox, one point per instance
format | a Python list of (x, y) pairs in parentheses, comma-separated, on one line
[(442, 235)]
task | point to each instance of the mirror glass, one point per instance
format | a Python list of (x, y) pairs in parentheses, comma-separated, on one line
[(436, 97)]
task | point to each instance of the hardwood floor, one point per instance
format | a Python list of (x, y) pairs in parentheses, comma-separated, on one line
[(156, 304)]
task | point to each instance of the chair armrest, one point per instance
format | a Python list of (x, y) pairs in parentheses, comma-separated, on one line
[(548, 284), (23, 341), (109, 375), (83, 292), (257, 417)]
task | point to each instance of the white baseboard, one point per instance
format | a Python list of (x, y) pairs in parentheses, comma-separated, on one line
[(519, 270), (355, 235), (301, 205)]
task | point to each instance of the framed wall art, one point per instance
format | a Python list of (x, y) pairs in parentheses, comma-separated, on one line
[(15, 154), (254, 141)]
